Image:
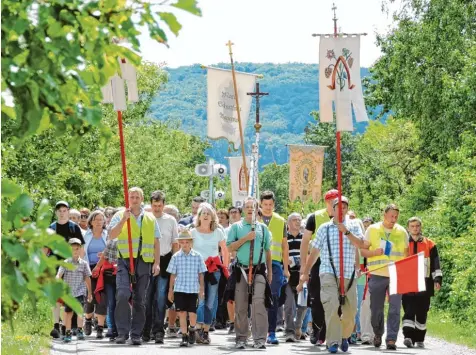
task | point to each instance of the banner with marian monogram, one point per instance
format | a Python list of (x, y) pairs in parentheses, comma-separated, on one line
[(305, 172), (339, 81), (238, 179), (222, 116)]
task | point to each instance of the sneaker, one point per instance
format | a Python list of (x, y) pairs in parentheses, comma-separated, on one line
[(55, 333), (185, 340), (272, 339), (408, 343), (279, 328), (121, 339), (391, 345), (179, 333), (303, 336), (241, 345), (145, 336), (191, 335), (212, 328), (366, 340), (67, 337), (74, 331), (353, 339), (344, 346), (171, 332), (377, 341), (135, 340), (259, 345), (290, 338), (314, 337), (99, 332), (231, 330), (109, 333), (159, 338), (333, 348), (420, 344), (80, 334), (320, 343), (205, 338), (199, 336), (219, 325), (88, 325), (113, 336)]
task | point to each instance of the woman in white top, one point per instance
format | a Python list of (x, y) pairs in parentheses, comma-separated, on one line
[(208, 238)]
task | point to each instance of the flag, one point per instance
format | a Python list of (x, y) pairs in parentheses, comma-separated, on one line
[(407, 275), (339, 81), (305, 172), (114, 92), (238, 179), (222, 116)]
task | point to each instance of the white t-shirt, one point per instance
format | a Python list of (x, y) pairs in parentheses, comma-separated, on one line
[(207, 244), (169, 231)]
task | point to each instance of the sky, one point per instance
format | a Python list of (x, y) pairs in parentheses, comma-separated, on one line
[(276, 31)]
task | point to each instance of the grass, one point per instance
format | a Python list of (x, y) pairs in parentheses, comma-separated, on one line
[(440, 325), (31, 328)]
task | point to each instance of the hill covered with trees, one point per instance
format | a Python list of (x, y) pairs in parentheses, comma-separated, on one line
[(293, 94)]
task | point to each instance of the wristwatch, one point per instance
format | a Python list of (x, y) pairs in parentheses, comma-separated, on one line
[(347, 233)]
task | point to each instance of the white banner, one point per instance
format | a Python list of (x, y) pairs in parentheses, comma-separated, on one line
[(238, 179), (222, 115), (339, 81)]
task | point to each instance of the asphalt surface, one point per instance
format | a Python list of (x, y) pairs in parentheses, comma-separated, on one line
[(222, 343)]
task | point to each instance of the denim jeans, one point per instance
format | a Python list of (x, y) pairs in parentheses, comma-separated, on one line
[(276, 283), (206, 306), (306, 320), (161, 296), (111, 306), (360, 296)]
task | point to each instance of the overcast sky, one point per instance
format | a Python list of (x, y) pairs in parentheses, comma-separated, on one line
[(274, 31)]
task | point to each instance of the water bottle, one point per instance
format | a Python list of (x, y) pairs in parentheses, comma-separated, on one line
[(302, 296)]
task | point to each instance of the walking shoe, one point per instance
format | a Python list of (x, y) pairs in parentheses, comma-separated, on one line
[(171, 332), (159, 338), (420, 344), (80, 334), (333, 348), (63, 331), (135, 340), (366, 340), (191, 335), (240, 345), (184, 340), (199, 336), (344, 346), (279, 328), (55, 333), (113, 336), (303, 336), (88, 325), (272, 339), (205, 338), (74, 331), (212, 327), (353, 339), (314, 337), (231, 330), (99, 332), (146, 336), (408, 342), (109, 333), (320, 342), (290, 338), (220, 325), (121, 339), (67, 337), (391, 345), (259, 345), (377, 341)]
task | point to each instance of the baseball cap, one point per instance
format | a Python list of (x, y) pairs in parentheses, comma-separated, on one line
[(331, 194), (343, 199), (74, 241), (61, 203)]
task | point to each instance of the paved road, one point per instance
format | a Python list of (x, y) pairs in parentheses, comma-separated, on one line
[(222, 343)]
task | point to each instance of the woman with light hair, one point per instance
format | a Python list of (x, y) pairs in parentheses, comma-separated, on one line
[(208, 237)]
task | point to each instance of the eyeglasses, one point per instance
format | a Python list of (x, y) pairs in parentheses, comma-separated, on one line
[(233, 212), (84, 216)]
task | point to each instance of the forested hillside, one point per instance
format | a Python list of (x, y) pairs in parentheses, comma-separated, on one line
[(293, 93)]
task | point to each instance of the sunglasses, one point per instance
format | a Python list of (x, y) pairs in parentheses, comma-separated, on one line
[(84, 216)]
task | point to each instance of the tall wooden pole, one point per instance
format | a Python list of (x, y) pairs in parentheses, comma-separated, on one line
[(242, 141), (339, 189)]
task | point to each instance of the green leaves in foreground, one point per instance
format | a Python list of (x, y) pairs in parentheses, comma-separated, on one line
[(26, 270)]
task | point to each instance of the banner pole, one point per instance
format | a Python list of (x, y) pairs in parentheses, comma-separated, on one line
[(229, 44)]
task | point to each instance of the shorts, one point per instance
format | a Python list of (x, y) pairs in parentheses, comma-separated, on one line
[(186, 302), (80, 299), (100, 307)]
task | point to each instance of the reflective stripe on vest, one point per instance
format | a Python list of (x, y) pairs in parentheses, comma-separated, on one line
[(397, 237), (148, 229), (276, 227)]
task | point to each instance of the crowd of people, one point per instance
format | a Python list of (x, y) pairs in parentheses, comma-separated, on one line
[(248, 270)]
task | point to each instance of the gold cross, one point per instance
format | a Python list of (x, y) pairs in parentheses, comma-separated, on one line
[(229, 44)]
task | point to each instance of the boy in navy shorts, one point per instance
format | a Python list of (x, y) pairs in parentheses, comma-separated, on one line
[(186, 284), (79, 282)]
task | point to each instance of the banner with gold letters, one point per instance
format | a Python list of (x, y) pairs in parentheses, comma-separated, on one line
[(305, 172)]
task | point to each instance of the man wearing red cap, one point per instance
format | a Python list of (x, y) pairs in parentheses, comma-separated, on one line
[(313, 223)]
